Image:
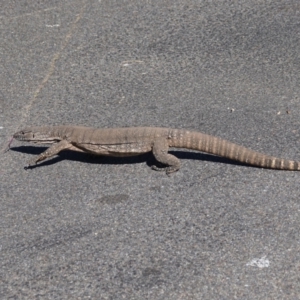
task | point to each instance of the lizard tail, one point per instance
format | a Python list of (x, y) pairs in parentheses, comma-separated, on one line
[(217, 146)]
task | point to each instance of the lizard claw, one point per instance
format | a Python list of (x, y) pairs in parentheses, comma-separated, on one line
[(29, 167), (31, 164), (156, 168), (168, 170)]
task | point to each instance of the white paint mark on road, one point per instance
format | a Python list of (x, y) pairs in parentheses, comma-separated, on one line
[(126, 63), (55, 25), (259, 262)]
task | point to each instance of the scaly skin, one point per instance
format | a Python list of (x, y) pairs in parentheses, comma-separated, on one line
[(138, 140)]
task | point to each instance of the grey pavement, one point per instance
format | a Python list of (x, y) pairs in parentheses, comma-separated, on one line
[(79, 227)]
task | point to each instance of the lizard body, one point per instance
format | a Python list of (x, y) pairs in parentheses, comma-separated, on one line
[(130, 141)]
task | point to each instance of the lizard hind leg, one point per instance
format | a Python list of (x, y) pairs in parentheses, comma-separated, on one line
[(160, 151), (51, 151)]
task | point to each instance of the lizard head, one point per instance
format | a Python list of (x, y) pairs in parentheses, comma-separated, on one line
[(35, 135)]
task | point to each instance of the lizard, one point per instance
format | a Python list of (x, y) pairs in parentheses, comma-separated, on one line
[(130, 141)]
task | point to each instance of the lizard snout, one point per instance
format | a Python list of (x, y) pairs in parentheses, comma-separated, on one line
[(23, 136)]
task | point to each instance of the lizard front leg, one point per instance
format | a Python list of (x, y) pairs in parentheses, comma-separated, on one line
[(160, 151), (51, 151)]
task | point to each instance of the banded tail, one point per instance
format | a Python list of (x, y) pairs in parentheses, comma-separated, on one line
[(220, 147)]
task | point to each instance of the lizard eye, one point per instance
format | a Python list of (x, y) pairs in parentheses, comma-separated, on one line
[(33, 135)]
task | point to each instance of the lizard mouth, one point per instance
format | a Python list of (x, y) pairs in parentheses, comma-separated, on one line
[(35, 140), (23, 138), (19, 137)]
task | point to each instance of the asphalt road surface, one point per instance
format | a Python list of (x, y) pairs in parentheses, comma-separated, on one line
[(79, 227)]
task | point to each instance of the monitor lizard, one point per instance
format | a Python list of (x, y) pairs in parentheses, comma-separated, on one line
[(132, 141)]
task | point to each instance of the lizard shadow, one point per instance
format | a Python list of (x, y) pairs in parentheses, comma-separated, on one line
[(77, 156), (110, 160)]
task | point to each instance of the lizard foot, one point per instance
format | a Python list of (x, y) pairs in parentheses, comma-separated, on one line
[(31, 164), (168, 170), (28, 167), (156, 168)]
